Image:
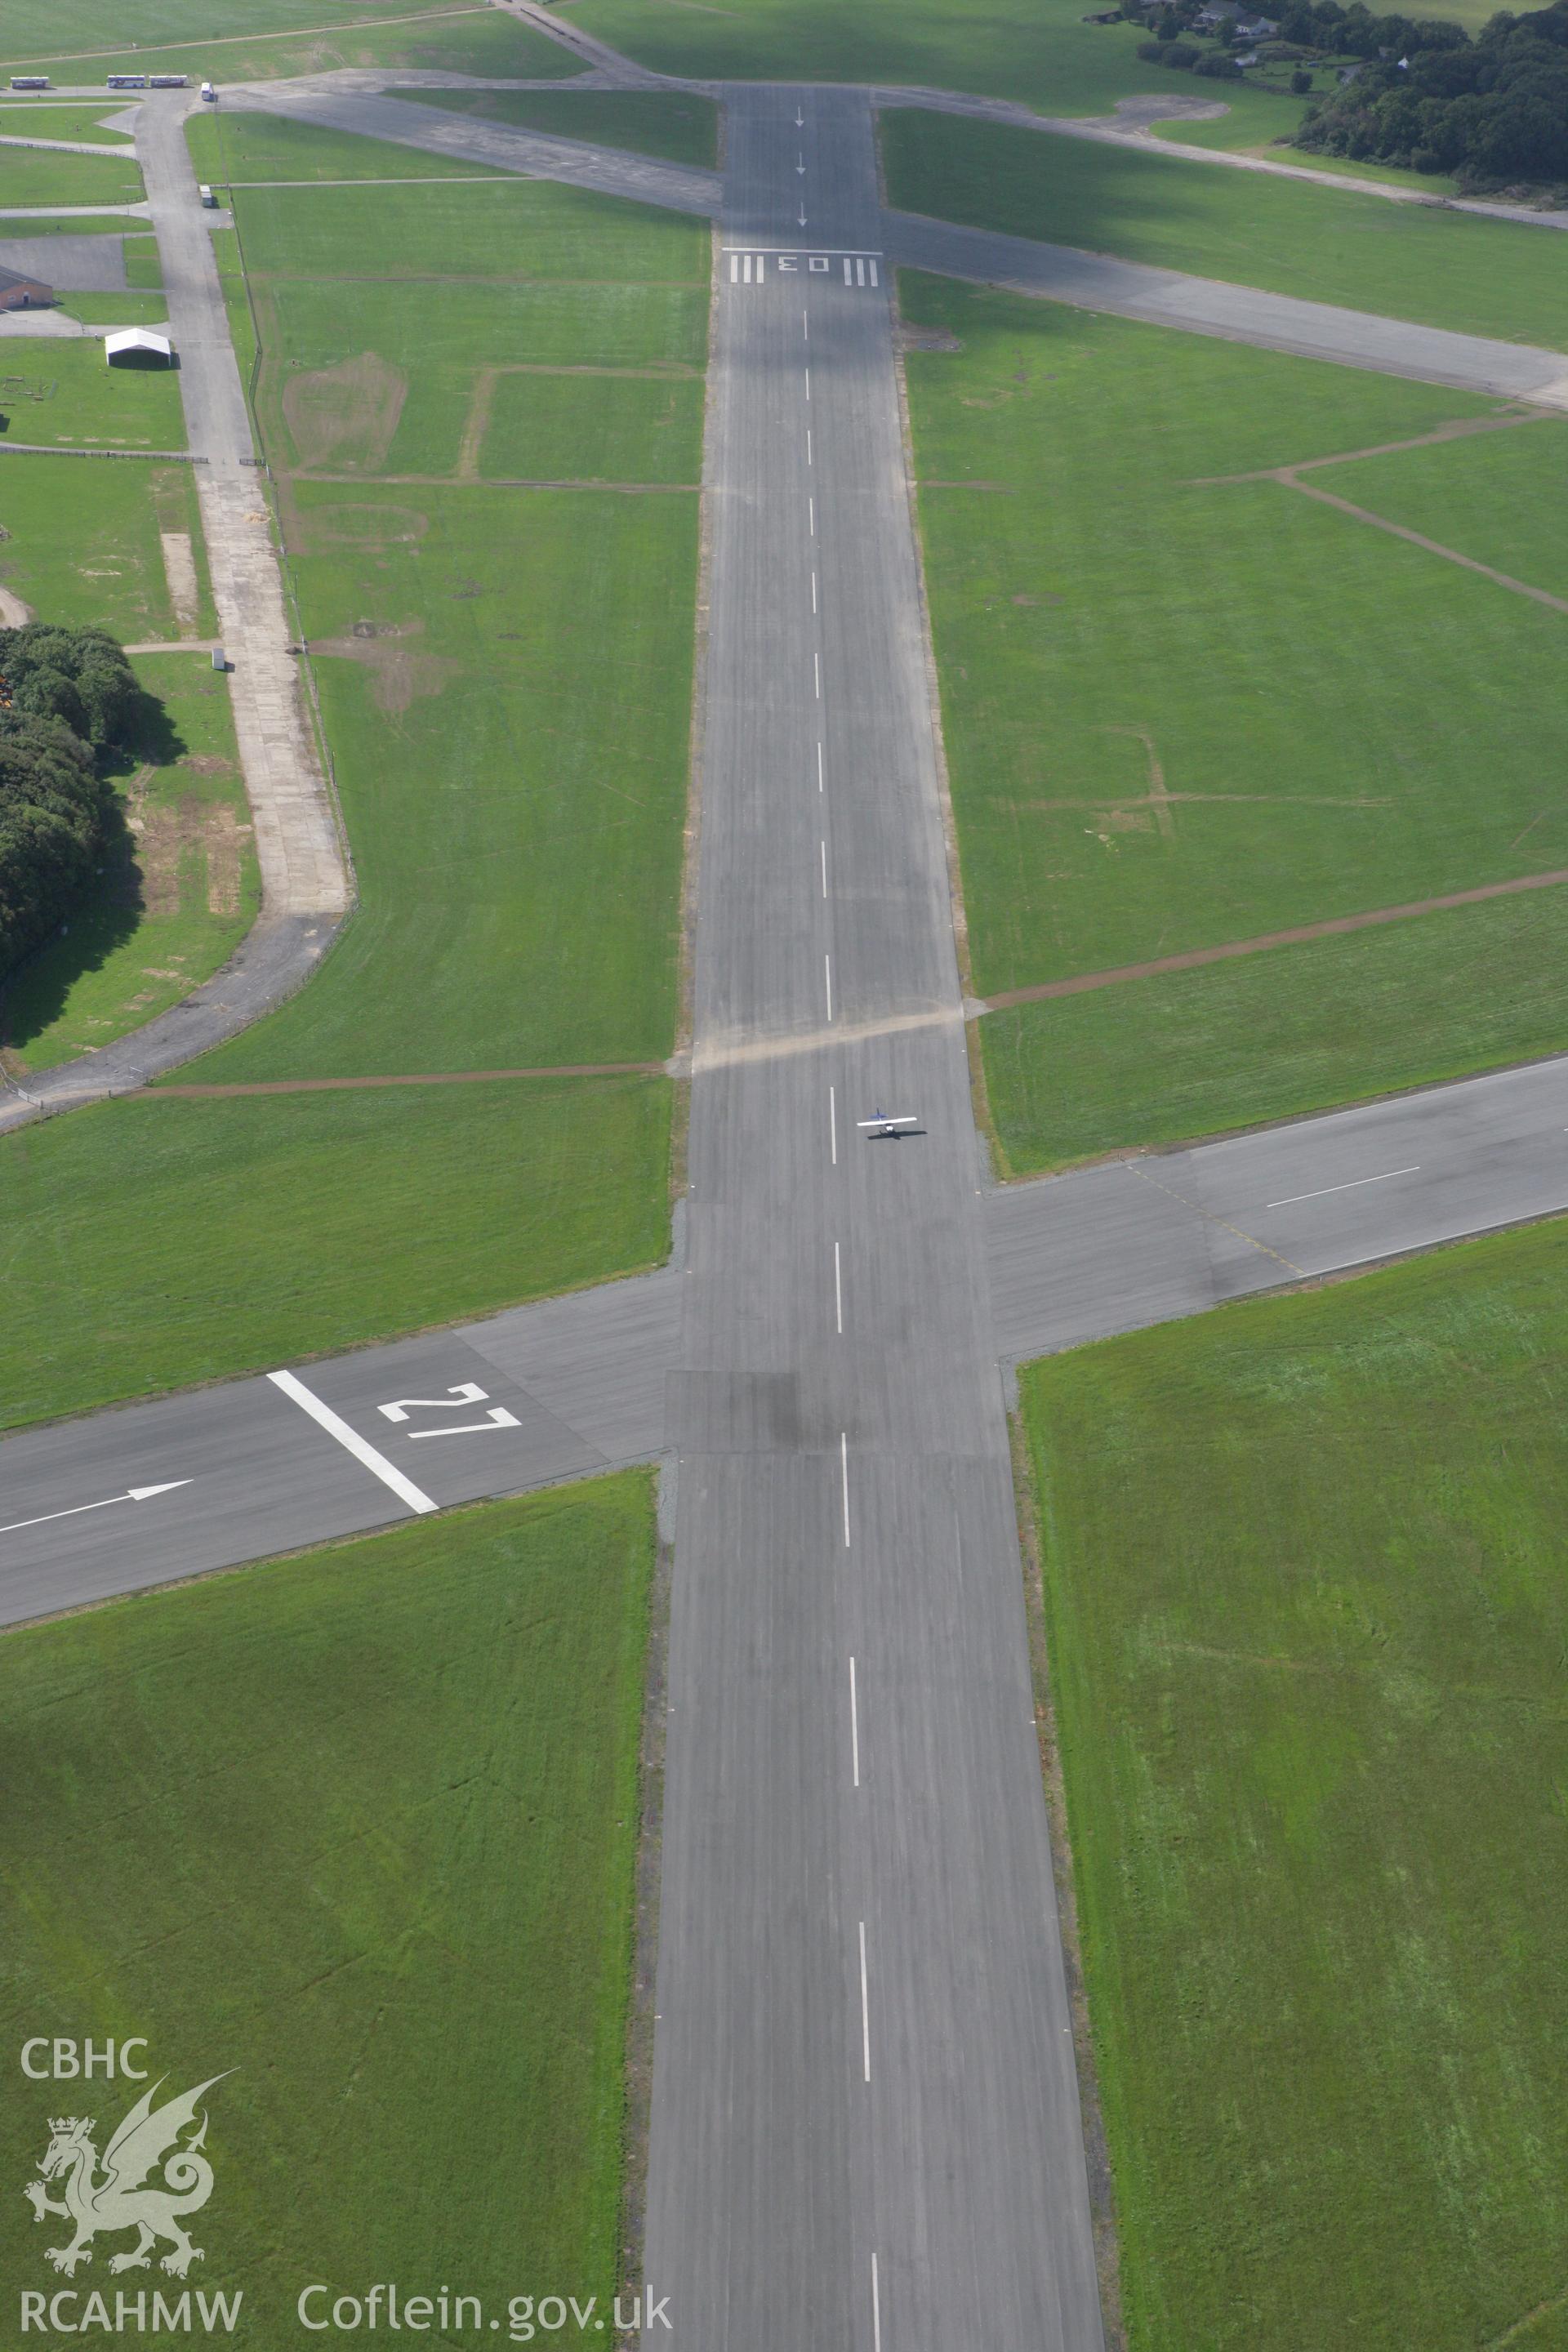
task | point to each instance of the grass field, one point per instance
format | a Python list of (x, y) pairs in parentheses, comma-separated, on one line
[(1305, 1616), (1178, 716), (271, 147), (132, 309), (1041, 51), (1502, 500), (680, 127), (361, 1827), (1323, 245), (18, 120), (42, 175), (82, 539), (153, 1243), (505, 673), (1274, 1036), (55, 390), (178, 897), (470, 38)]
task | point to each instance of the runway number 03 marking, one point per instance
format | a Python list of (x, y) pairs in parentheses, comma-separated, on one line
[(858, 270), (462, 1392)]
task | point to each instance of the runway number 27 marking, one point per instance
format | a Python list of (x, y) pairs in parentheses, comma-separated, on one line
[(463, 1392)]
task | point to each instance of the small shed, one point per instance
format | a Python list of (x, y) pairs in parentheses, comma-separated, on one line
[(18, 292), (137, 347)]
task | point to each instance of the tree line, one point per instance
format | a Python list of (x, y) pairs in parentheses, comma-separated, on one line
[(65, 696), (1490, 111)]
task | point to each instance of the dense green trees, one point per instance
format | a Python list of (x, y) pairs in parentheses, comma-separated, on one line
[(67, 696), (1490, 110)]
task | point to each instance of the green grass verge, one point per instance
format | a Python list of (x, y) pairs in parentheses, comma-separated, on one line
[(82, 539), (505, 673), (71, 225), (1305, 1617), (1323, 245), (478, 40), (1256, 122), (52, 390), (1321, 702), (1274, 1036), (144, 269), (151, 1243), (41, 176), (20, 120), (680, 127), (226, 146), (362, 1827), (178, 897), (106, 310)]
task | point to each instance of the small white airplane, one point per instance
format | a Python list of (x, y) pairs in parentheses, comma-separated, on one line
[(885, 1127)]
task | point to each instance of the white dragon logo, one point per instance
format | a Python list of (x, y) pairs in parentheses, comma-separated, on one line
[(144, 2140)]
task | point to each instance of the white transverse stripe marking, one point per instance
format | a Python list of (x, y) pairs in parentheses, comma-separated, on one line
[(854, 1725), (360, 1448), (844, 1472), (865, 2010), (1354, 1184)]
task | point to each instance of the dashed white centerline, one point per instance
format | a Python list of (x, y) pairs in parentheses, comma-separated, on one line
[(808, 445), (811, 513), (808, 384), (865, 2010), (1354, 1184), (352, 1443), (853, 1727), (844, 1476), (839, 1285), (876, 2311), (805, 327), (824, 870), (820, 785), (813, 591), (827, 978), (832, 1127), (817, 673)]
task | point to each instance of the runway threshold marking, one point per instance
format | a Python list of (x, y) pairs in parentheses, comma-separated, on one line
[(352, 1443), (131, 1494), (1354, 1185)]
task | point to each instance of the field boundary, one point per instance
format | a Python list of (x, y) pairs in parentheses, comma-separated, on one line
[(1081, 982)]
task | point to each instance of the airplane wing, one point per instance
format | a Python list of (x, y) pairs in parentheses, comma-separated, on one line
[(905, 1118)]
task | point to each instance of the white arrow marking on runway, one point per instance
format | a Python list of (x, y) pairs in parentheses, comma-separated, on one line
[(131, 1494), (799, 119), (800, 217), (800, 166)]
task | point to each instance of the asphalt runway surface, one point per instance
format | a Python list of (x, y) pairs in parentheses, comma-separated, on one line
[(865, 2128)]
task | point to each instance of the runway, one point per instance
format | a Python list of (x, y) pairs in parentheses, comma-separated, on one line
[(865, 2128)]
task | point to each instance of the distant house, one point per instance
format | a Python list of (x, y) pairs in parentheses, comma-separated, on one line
[(137, 347), (19, 293), (1257, 28), (1210, 18)]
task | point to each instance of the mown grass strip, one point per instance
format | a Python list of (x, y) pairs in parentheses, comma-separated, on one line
[(1302, 1574)]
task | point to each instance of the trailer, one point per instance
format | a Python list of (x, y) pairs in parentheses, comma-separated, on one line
[(29, 81), (169, 81), (126, 82)]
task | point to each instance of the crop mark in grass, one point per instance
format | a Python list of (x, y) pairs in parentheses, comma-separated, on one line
[(1137, 1169), (400, 674), (1528, 2323), (349, 412), (1457, 428), (1431, 546), (1082, 981)]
